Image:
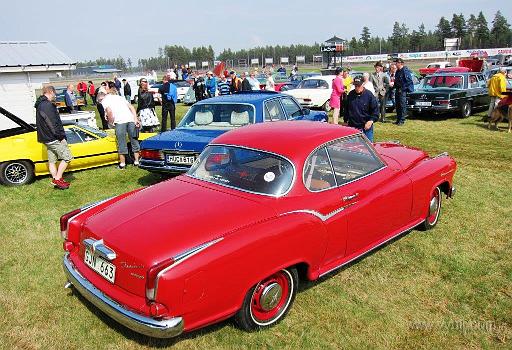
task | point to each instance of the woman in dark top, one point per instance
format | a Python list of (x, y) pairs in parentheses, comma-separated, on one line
[(146, 108)]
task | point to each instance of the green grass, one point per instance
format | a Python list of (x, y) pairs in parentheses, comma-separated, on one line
[(449, 288)]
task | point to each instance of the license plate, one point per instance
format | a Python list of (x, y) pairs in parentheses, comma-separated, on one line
[(188, 160), (423, 104), (101, 266)]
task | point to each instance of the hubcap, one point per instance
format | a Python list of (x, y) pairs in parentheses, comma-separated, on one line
[(16, 173), (434, 206), (270, 296)]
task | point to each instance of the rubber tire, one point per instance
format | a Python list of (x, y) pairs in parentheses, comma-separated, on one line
[(465, 109), (244, 317), (429, 224), (326, 106), (24, 166)]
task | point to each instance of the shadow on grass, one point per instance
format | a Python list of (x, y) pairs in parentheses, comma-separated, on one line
[(143, 339), (149, 178), (306, 284)]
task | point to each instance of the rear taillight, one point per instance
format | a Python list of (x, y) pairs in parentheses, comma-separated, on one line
[(151, 154), (64, 222), (443, 102), (152, 277)]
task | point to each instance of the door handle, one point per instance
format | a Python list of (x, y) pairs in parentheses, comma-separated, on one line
[(348, 198)]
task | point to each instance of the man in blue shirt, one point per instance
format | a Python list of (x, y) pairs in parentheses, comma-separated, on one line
[(403, 86), (169, 96), (211, 84), (362, 109)]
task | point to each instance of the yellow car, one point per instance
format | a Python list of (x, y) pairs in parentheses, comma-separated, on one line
[(22, 157)]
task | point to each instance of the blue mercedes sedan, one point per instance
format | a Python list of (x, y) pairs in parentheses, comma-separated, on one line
[(176, 150)]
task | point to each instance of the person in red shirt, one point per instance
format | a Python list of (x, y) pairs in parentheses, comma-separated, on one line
[(82, 90), (91, 90)]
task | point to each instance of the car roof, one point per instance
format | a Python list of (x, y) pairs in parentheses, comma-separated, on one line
[(292, 139), (243, 97), (321, 77)]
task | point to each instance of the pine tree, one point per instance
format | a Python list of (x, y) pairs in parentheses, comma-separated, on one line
[(500, 32), (365, 38), (482, 31)]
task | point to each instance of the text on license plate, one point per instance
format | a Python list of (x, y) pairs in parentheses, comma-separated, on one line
[(100, 265), (421, 103), (189, 160)]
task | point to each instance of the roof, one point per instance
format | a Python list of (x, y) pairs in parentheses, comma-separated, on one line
[(32, 53), (335, 40), (242, 97), (281, 137)]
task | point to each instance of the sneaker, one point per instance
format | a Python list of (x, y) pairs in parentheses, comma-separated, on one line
[(59, 184), (121, 167), (136, 163), (64, 182)]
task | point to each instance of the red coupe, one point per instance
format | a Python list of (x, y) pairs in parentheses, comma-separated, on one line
[(262, 208)]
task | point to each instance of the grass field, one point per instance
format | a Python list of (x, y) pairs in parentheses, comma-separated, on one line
[(448, 288)]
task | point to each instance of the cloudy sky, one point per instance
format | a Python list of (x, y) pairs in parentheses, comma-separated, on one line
[(90, 29)]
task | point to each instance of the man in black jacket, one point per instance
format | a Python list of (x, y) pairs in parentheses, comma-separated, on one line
[(362, 109), (127, 91), (51, 133)]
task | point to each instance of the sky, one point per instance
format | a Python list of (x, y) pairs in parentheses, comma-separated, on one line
[(86, 30)]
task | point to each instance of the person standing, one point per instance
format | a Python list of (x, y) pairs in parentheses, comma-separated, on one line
[(255, 84), (103, 89), (368, 85), (403, 86), (82, 91), (236, 82), (380, 81), (122, 114), (336, 95), (117, 84), (91, 90), (223, 86), (391, 89), (347, 86), (127, 91), (70, 99), (146, 107), (362, 109), (497, 86), (169, 95), (246, 86), (210, 84), (199, 88), (270, 84), (50, 132)]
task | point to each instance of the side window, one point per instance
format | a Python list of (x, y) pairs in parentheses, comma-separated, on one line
[(72, 137), (322, 84), (318, 173), (273, 111), (473, 81), (84, 136), (291, 108), (481, 81), (352, 158)]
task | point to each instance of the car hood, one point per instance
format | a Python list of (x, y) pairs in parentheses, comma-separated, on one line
[(192, 139), (169, 218)]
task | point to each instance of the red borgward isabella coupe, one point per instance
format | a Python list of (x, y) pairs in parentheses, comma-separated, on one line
[(263, 207)]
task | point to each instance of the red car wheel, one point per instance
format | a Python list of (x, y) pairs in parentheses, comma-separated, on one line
[(269, 301)]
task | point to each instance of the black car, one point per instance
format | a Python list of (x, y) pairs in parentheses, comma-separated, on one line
[(445, 92)]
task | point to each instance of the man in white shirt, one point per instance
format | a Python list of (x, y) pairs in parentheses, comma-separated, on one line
[(123, 116)]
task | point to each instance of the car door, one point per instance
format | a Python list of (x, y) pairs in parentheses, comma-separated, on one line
[(377, 199), (292, 108), (273, 111), (88, 149), (484, 98), (325, 202)]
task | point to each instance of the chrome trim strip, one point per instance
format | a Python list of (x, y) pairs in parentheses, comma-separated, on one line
[(178, 259), (448, 172), (247, 191), (320, 215), (166, 328), (368, 251), (444, 154)]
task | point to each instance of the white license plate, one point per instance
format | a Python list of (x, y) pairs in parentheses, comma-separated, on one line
[(188, 160), (423, 104), (101, 266)]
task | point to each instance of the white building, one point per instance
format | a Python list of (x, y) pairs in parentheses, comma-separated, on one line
[(24, 67)]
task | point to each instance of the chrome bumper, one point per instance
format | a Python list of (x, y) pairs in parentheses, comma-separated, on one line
[(162, 167), (141, 324)]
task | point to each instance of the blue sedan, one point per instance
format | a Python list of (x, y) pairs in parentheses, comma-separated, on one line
[(176, 150)]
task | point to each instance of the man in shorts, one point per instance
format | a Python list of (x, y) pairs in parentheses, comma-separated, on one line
[(51, 133)]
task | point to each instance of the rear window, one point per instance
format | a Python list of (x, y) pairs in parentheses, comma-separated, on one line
[(313, 84), (244, 169), (443, 81), (218, 115)]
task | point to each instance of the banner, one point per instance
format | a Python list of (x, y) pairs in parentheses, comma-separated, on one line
[(269, 60), (255, 61), (284, 60)]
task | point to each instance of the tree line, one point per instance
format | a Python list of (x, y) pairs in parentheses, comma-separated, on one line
[(474, 32)]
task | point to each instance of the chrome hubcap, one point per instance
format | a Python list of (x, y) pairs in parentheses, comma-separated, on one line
[(434, 205), (270, 296), (16, 173)]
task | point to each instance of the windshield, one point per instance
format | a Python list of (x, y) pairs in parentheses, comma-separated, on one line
[(93, 131), (443, 81), (244, 169), (218, 115), (313, 84), (181, 84)]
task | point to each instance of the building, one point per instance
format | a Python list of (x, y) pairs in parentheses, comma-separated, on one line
[(24, 67)]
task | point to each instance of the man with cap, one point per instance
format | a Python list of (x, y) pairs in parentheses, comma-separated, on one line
[(362, 109), (380, 81), (211, 84), (403, 86)]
